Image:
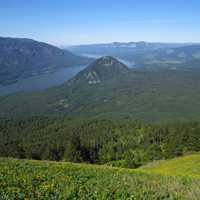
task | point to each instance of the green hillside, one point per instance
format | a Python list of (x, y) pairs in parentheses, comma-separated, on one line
[(185, 166), (26, 179), (110, 90), (123, 143), (21, 58)]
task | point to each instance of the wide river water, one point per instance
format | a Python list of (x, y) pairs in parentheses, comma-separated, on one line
[(44, 81)]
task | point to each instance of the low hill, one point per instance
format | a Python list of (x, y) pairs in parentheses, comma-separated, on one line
[(188, 165), (21, 58), (26, 179), (105, 69)]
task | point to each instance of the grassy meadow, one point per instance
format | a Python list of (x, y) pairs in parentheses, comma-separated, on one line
[(188, 165), (174, 179)]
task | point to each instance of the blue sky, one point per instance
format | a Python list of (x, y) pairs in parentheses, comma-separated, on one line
[(66, 22)]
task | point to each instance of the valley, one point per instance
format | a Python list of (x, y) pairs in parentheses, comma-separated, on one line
[(146, 55), (41, 81), (104, 130), (21, 58), (112, 90), (99, 100)]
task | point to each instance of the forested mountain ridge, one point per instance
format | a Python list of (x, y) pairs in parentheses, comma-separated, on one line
[(25, 57), (117, 93)]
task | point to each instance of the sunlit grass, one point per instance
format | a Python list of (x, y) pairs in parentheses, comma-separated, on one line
[(29, 179), (188, 165)]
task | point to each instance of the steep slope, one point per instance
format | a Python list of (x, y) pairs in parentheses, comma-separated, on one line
[(24, 57), (106, 68)]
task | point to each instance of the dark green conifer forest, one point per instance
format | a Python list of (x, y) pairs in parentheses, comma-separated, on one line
[(124, 143)]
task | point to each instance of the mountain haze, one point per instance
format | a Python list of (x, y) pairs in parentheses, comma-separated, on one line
[(122, 47), (21, 58), (187, 57), (147, 55)]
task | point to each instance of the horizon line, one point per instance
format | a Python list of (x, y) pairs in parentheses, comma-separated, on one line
[(64, 44)]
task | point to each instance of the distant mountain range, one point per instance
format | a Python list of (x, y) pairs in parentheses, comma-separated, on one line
[(172, 58), (109, 89), (146, 55), (21, 58), (120, 47)]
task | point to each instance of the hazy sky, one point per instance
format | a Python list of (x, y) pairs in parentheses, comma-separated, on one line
[(65, 22)]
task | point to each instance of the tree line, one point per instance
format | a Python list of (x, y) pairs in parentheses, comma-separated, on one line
[(125, 143)]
